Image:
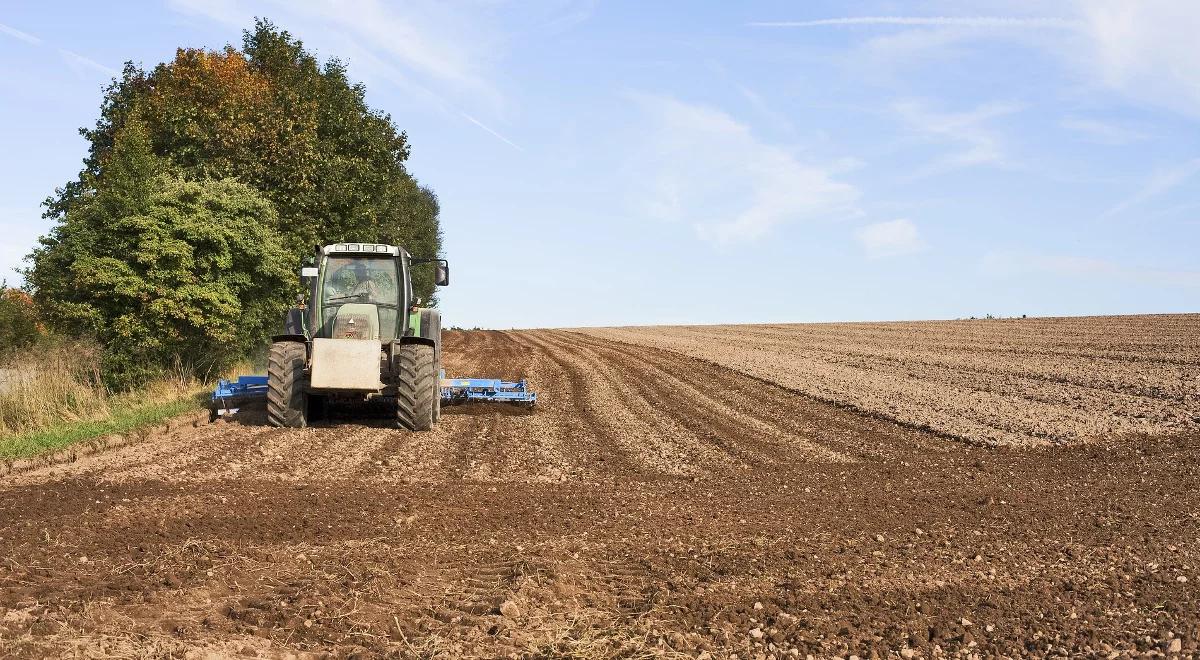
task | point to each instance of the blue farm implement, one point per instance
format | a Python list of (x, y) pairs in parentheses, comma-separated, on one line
[(468, 390), (229, 396)]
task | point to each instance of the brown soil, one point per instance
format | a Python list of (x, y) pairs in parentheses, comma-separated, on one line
[(1003, 381), (653, 504)]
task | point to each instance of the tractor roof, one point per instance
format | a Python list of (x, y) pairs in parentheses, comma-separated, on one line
[(361, 248)]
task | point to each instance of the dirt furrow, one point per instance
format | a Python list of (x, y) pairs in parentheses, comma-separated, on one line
[(915, 374), (654, 504), (706, 401)]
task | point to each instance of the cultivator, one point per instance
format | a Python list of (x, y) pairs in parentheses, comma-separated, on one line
[(466, 390), (229, 396)]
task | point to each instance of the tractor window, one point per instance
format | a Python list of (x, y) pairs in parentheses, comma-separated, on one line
[(362, 280)]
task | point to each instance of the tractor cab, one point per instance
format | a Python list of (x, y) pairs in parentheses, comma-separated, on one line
[(360, 295)]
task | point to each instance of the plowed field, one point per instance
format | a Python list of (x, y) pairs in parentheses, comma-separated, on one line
[(654, 504), (1010, 381)]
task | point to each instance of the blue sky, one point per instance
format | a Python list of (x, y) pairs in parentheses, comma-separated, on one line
[(677, 162)]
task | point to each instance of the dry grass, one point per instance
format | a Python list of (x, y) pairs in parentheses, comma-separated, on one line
[(49, 385), (52, 396)]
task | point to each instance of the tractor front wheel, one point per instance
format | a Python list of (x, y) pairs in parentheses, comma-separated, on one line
[(416, 386), (287, 385)]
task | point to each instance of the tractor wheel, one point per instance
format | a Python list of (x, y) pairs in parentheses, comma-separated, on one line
[(431, 328), (416, 387), (287, 386)]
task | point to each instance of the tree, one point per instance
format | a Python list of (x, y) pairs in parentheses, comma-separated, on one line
[(271, 116), (160, 268)]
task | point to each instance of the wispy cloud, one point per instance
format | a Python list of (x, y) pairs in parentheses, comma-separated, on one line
[(1011, 263), (940, 21), (23, 36), (976, 143), (430, 40), (441, 54), (1143, 50), (1159, 183), (889, 239), (1102, 132), (764, 108), (701, 166), (81, 64)]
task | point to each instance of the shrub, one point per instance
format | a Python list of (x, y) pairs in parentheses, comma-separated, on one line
[(19, 325), (160, 269)]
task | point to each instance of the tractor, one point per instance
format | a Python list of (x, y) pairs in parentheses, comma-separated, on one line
[(361, 336)]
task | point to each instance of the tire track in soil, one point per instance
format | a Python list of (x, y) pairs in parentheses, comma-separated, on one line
[(615, 520), (711, 412), (765, 416), (649, 439)]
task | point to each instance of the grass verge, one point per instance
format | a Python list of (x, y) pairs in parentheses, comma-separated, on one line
[(122, 419)]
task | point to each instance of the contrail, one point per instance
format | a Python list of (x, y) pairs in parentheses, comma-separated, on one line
[(75, 59), (480, 124), (961, 21), (23, 36)]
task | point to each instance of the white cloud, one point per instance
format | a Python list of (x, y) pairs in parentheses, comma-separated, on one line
[(1102, 132), (889, 239), (940, 21), (441, 54), (703, 167), (23, 36), (82, 66), (1010, 264), (428, 38), (1143, 50), (975, 142), (1159, 183)]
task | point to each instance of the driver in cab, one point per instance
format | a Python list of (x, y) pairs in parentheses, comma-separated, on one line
[(361, 285)]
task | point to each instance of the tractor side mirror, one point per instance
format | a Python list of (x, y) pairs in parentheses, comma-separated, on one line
[(308, 272), (441, 272)]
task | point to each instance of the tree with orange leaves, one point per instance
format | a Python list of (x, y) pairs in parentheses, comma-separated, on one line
[(19, 323), (273, 117)]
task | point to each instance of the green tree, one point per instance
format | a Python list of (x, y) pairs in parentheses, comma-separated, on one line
[(160, 268), (299, 132)]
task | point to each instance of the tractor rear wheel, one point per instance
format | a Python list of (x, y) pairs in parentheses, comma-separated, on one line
[(416, 386), (287, 386)]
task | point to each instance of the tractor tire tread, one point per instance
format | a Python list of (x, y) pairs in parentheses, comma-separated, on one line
[(416, 386), (287, 386)]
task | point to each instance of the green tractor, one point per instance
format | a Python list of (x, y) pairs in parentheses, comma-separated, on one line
[(361, 336)]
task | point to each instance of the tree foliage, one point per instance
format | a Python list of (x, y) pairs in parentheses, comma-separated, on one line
[(19, 324), (196, 164), (273, 117), (160, 268)]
